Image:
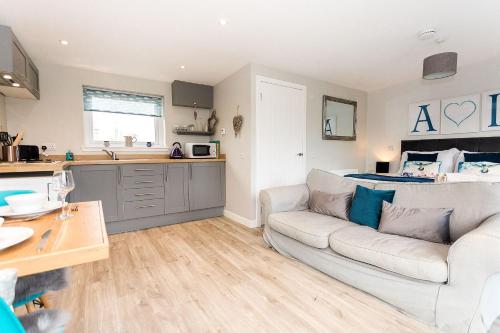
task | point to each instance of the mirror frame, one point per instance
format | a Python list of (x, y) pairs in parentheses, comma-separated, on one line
[(327, 98)]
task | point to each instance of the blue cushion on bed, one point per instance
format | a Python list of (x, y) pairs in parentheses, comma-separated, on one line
[(4, 194), (422, 157), (366, 206), (482, 157)]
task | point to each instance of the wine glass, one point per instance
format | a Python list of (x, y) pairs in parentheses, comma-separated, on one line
[(63, 183)]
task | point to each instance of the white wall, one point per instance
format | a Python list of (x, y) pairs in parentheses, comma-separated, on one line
[(58, 116), (239, 88), (228, 94), (388, 108)]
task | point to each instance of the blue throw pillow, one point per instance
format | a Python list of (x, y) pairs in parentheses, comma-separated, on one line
[(366, 206), (482, 157), (4, 194)]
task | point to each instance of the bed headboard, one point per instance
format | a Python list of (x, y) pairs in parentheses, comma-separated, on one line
[(478, 144)]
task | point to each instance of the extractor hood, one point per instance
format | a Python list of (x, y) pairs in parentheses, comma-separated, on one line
[(18, 74)]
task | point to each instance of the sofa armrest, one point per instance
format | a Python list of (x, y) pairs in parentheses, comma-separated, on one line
[(477, 252), (472, 295), (283, 199)]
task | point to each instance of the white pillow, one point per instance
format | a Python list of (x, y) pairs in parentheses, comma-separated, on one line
[(448, 158)]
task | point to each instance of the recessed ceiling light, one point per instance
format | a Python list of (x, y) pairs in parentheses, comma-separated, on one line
[(15, 84), (223, 21), (63, 42), (182, 67), (7, 77)]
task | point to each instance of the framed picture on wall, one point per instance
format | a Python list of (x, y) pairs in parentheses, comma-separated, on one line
[(460, 114), (424, 118)]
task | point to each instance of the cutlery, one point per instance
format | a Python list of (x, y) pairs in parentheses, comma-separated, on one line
[(43, 240)]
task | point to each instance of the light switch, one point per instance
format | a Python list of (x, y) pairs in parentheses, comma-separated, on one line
[(222, 131)]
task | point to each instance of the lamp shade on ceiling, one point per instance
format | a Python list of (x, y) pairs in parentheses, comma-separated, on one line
[(440, 65)]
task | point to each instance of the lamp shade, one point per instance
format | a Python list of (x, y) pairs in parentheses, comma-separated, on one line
[(382, 167), (440, 65)]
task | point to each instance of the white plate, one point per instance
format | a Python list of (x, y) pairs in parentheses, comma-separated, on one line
[(50, 206), (13, 235)]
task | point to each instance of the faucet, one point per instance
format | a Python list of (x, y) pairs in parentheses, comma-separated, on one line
[(111, 154)]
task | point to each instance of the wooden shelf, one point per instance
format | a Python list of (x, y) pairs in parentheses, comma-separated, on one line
[(198, 133)]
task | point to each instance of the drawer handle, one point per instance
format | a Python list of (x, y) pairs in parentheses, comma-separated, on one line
[(146, 206), (143, 194), (144, 182), (143, 170)]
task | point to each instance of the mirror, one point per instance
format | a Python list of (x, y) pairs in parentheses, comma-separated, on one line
[(339, 119)]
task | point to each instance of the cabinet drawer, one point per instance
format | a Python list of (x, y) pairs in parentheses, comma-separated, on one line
[(143, 208), (142, 169), (148, 193), (143, 181)]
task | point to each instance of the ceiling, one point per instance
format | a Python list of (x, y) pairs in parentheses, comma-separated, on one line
[(362, 44)]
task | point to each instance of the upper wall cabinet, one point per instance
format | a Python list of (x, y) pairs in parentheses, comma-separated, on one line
[(192, 95), (18, 74)]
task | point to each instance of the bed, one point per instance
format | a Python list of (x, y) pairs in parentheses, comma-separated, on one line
[(464, 145)]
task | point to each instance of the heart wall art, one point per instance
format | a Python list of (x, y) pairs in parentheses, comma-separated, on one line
[(460, 115), (465, 114)]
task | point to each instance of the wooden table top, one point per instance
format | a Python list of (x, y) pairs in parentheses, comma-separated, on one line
[(77, 240)]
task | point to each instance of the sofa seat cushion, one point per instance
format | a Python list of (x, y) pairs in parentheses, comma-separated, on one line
[(410, 257), (307, 227)]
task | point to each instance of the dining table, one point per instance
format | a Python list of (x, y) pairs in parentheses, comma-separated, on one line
[(80, 239)]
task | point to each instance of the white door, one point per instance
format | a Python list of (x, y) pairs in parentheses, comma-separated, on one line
[(281, 134)]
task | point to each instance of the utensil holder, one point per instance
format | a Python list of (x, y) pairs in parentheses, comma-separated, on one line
[(10, 154)]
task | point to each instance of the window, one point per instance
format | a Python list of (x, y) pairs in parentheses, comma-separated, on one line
[(110, 115)]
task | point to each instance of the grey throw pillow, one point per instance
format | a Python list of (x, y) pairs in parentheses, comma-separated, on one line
[(430, 224), (331, 204)]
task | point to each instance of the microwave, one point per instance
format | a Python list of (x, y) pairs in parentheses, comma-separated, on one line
[(200, 150)]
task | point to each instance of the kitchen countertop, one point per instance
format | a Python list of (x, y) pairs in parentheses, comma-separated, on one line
[(59, 165)]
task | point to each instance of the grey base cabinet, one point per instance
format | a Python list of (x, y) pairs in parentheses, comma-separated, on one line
[(97, 182), (206, 185), (176, 188), (138, 196)]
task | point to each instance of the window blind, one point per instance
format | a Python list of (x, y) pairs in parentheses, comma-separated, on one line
[(103, 100)]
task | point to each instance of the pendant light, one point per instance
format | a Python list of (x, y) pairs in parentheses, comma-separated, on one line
[(440, 65)]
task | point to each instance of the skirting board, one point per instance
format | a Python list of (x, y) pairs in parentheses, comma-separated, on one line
[(241, 220)]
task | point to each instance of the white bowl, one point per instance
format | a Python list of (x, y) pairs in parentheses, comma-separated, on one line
[(29, 202)]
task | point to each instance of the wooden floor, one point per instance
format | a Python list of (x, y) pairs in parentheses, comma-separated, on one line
[(215, 276)]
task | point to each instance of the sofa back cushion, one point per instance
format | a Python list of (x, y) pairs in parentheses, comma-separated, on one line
[(319, 180), (471, 202)]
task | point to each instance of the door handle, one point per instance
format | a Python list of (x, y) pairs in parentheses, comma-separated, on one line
[(300, 154), (143, 170), (143, 194), (145, 182)]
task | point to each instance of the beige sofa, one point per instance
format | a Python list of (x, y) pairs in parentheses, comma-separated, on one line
[(455, 288)]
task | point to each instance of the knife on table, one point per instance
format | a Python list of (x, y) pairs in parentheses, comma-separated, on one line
[(43, 240)]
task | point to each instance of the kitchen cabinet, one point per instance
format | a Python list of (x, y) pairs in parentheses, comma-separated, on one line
[(176, 187), (97, 182), (206, 185), (139, 196), (15, 62), (192, 95)]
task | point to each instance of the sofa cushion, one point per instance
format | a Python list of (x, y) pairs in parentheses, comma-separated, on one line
[(411, 257), (307, 227), (430, 224), (367, 205), (336, 205), (319, 180), (472, 202)]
